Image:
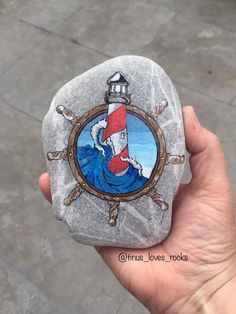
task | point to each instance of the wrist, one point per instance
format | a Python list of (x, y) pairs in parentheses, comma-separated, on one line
[(215, 296), (223, 300)]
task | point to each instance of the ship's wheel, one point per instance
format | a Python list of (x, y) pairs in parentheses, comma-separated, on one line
[(69, 154)]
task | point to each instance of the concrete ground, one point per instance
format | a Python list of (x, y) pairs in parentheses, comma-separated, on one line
[(43, 44)]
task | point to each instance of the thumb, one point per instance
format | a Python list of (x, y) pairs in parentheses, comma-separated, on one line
[(207, 162), (44, 185)]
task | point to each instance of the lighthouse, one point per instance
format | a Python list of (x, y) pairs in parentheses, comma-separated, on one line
[(115, 133), (115, 127)]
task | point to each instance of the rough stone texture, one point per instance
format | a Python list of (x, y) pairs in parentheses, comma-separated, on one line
[(20, 39), (104, 18), (75, 277), (44, 70), (203, 59), (46, 14), (18, 295), (140, 223)]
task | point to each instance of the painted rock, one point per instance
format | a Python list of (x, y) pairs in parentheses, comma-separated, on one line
[(115, 149)]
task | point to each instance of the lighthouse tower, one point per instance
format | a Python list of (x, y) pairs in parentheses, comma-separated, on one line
[(115, 132)]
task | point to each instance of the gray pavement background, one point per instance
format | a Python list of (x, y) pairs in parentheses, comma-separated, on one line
[(43, 44)]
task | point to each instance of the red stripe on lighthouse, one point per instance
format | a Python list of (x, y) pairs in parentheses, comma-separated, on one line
[(116, 165), (116, 121)]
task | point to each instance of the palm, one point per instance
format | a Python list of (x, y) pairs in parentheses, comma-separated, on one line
[(203, 229), (199, 232)]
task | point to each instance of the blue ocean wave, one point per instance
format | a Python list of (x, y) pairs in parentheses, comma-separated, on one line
[(95, 169)]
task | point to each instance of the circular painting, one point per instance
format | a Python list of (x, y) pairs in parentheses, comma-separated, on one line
[(115, 157)]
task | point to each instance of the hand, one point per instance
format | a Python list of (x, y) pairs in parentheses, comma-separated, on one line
[(203, 228)]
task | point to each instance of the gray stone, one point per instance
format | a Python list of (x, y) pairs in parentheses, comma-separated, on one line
[(17, 39), (46, 14), (129, 306), (18, 295), (117, 27), (209, 112), (234, 102), (216, 12), (197, 55), (215, 116), (42, 71), (137, 214), (226, 133)]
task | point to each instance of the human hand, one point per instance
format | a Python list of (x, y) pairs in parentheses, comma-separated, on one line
[(203, 228)]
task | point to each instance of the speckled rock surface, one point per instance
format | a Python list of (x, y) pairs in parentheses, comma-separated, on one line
[(111, 205)]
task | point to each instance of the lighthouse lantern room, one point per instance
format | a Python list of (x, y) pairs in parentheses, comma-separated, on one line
[(118, 89)]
